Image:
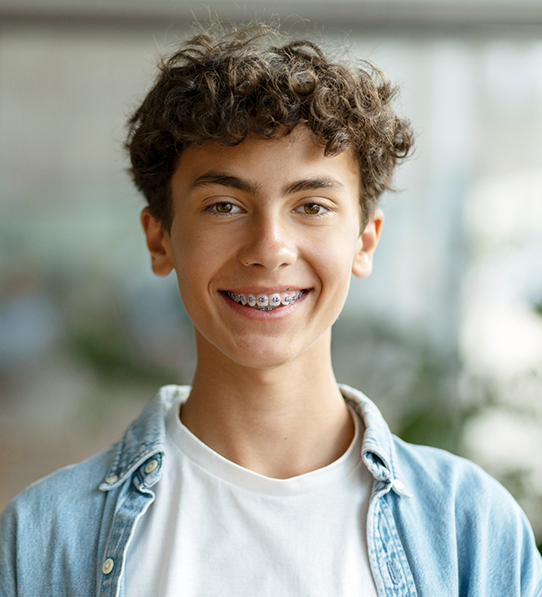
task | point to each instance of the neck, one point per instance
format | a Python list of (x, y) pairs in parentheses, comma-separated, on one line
[(279, 422)]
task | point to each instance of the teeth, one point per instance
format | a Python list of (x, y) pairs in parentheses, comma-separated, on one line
[(274, 299), (266, 302)]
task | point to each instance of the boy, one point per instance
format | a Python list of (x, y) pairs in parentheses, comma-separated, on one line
[(262, 165)]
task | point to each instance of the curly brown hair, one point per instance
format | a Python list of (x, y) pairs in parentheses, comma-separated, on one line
[(225, 85)]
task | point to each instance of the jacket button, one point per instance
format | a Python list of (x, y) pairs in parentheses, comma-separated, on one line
[(150, 466), (399, 485), (110, 480), (108, 566)]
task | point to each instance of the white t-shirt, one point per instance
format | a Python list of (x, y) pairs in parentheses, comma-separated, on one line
[(218, 529)]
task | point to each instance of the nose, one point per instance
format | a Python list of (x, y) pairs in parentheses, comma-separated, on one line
[(269, 243)]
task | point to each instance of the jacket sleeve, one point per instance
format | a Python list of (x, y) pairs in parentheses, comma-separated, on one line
[(8, 551), (49, 535), (503, 549), (463, 533)]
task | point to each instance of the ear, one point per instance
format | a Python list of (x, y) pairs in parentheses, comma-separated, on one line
[(158, 243), (366, 245)]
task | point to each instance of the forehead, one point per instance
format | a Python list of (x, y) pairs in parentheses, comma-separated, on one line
[(268, 164)]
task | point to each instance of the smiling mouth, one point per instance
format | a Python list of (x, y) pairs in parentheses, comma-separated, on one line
[(266, 302)]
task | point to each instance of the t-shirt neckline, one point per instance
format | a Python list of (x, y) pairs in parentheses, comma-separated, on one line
[(214, 464)]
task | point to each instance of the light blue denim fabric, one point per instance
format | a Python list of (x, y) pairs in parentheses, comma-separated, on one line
[(437, 525)]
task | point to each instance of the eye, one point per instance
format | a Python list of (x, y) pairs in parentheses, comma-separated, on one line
[(224, 207), (312, 209)]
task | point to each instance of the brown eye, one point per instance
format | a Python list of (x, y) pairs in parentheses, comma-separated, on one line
[(312, 209), (223, 208)]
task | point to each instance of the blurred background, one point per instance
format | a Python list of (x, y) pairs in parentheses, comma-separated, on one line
[(445, 336)]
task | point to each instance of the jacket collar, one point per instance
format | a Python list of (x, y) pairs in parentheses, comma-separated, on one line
[(145, 439), (378, 448)]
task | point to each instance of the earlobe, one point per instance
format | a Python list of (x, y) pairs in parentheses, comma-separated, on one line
[(158, 243), (366, 246)]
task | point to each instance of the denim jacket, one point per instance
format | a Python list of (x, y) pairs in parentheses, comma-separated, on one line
[(437, 525)]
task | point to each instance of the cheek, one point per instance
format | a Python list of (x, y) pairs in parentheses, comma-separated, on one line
[(193, 249), (334, 264), (199, 257)]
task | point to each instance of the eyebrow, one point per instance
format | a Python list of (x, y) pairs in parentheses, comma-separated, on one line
[(224, 180), (227, 180), (313, 184)]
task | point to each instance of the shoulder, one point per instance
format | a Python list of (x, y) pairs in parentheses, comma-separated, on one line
[(55, 530), (451, 479), (461, 531), (433, 467), (467, 520), (52, 527), (460, 490), (63, 499), (68, 485)]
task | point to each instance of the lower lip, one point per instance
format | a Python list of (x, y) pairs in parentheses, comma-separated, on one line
[(261, 315)]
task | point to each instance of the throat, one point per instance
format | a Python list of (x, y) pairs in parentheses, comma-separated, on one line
[(276, 438)]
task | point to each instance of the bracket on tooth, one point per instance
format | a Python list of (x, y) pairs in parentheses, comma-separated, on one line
[(264, 302)]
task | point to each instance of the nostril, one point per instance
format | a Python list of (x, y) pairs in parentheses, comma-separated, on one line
[(270, 257)]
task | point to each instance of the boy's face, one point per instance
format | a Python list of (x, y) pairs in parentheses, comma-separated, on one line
[(266, 217)]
